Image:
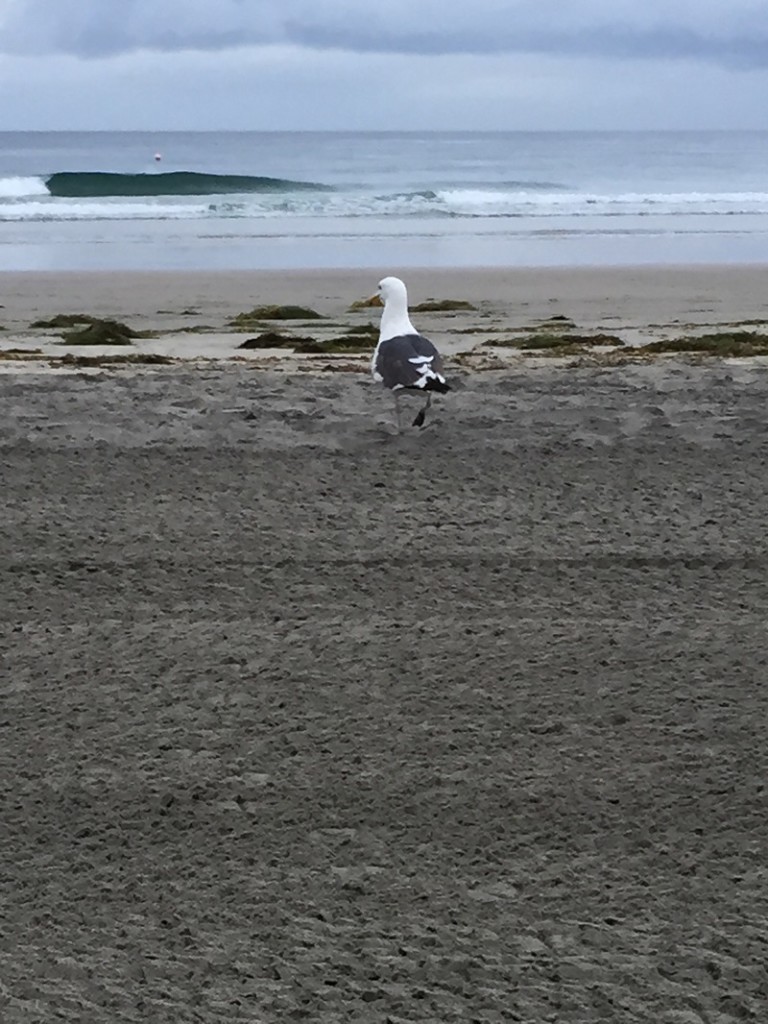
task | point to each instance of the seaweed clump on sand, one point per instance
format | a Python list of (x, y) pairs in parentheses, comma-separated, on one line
[(361, 338), (83, 329), (248, 319), (370, 302), (351, 342), (64, 320), (722, 343), (348, 343), (549, 341), (563, 344), (338, 367), (134, 359), (370, 331), (273, 339), (101, 332), (443, 306), (429, 306), (20, 354), (560, 319)]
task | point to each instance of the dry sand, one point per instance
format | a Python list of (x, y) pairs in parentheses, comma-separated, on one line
[(304, 721)]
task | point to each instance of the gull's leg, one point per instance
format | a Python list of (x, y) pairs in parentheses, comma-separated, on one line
[(421, 414), (398, 412)]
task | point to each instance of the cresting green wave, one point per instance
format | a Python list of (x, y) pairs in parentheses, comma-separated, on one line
[(75, 184)]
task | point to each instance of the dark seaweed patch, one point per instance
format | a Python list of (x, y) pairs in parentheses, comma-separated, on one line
[(274, 313), (364, 331), (543, 341), (64, 320), (273, 339), (722, 343), (134, 359), (101, 332), (443, 306), (19, 354), (309, 346)]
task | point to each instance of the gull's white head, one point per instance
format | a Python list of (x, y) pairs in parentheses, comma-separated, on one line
[(394, 319), (392, 289)]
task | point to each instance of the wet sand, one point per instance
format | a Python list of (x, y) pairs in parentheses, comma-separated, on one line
[(642, 301), (305, 721)]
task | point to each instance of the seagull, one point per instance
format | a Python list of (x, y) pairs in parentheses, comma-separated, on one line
[(404, 359)]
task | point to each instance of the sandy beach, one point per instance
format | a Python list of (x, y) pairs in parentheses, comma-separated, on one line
[(640, 303), (305, 720)]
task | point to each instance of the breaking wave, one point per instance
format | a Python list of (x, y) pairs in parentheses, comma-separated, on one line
[(90, 184), (186, 195), (18, 188)]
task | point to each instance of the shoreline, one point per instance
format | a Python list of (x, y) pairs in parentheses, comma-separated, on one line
[(331, 244)]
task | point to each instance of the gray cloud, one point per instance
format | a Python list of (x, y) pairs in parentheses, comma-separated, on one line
[(608, 41), (732, 34)]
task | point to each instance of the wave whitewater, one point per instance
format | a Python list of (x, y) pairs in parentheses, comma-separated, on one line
[(187, 195), (92, 184)]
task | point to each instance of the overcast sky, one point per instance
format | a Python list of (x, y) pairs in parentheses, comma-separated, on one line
[(403, 64)]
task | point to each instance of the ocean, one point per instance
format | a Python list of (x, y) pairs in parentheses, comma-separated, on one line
[(274, 200)]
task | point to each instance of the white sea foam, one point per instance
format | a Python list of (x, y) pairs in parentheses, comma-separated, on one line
[(19, 187), (95, 209), (474, 203), (24, 199)]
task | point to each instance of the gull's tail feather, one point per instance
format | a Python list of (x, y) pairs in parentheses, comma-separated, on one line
[(435, 384)]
